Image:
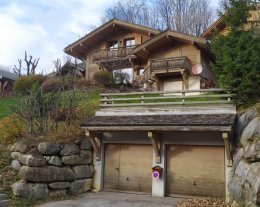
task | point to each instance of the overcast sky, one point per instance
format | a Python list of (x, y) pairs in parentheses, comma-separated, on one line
[(45, 27)]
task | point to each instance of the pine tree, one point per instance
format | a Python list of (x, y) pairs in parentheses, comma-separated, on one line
[(237, 55)]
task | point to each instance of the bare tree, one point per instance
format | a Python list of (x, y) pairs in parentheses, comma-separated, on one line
[(18, 69), (30, 64)]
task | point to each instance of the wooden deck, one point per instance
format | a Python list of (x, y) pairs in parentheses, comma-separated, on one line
[(169, 98)]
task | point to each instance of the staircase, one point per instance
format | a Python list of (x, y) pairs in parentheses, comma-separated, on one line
[(4, 199)]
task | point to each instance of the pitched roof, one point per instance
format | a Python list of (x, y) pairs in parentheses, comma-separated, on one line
[(169, 35), (219, 24), (85, 43), (8, 75)]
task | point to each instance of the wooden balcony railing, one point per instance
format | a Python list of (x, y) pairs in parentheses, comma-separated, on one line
[(167, 65), (115, 54), (211, 97)]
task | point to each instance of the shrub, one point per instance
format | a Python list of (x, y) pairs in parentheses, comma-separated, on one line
[(103, 77), (87, 109), (51, 85), (11, 129), (23, 85)]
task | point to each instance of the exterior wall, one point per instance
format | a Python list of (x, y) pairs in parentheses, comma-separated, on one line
[(207, 71), (167, 138), (92, 67)]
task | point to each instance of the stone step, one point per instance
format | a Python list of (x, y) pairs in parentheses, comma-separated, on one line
[(4, 203), (3, 196)]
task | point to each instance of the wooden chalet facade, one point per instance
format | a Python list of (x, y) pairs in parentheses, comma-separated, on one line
[(161, 60), (180, 126)]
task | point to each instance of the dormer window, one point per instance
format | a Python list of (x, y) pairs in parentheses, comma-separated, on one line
[(113, 45), (130, 42)]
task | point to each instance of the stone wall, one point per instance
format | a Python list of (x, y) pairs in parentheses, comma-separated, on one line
[(52, 169), (244, 185)]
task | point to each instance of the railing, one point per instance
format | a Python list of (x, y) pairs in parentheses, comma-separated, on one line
[(109, 54), (169, 98), (170, 64)]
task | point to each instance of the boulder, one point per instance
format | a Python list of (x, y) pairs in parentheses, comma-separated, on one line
[(243, 121), (30, 190), (252, 152), (251, 132), (16, 155), (85, 144), (55, 160), (59, 185), (85, 157), (32, 161), (83, 171), (49, 148), (69, 149), (80, 186), (16, 165), (57, 193), (238, 156), (46, 174), (20, 147)]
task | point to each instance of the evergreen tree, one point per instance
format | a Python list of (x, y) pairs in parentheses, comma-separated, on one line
[(237, 55)]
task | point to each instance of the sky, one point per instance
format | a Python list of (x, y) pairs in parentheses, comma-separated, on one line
[(44, 28)]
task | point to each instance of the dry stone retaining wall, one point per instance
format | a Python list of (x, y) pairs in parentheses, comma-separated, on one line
[(52, 169), (244, 184)]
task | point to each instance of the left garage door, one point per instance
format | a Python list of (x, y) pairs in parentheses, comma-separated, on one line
[(128, 168)]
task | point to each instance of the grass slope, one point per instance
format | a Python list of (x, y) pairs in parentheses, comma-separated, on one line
[(5, 105)]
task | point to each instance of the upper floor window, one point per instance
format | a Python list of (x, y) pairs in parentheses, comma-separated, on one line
[(113, 45), (130, 42)]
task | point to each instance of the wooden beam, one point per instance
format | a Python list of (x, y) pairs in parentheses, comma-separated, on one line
[(154, 137), (83, 46), (227, 143), (146, 51), (94, 139)]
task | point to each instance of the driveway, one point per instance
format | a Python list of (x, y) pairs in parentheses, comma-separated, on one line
[(111, 199)]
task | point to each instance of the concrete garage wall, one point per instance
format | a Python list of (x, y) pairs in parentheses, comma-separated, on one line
[(52, 169)]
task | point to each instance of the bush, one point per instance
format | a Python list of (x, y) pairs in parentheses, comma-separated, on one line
[(11, 129), (103, 77), (51, 85), (23, 85), (87, 109)]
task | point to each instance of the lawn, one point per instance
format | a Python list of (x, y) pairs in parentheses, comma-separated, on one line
[(5, 105)]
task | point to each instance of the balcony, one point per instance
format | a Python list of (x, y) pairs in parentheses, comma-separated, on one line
[(111, 55), (170, 65)]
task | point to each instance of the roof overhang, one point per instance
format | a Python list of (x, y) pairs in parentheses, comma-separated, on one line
[(79, 48), (217, 25), (168, 37)]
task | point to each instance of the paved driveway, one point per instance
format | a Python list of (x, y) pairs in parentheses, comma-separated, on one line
[(110, 199)]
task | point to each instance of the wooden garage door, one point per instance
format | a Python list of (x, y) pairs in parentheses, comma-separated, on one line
[(195, 171), (128, 168)]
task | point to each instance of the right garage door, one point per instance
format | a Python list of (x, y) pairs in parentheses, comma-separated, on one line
[(195, 171)]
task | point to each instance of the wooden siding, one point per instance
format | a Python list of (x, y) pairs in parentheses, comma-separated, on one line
[(195, 171), (125, 171)]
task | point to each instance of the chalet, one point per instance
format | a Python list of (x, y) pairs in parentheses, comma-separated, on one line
[(176, 139)]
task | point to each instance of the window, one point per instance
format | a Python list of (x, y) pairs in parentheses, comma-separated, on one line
[(113, 45), (130, 42)]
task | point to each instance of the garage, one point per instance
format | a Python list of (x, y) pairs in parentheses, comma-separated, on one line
[(195, 171), (128, 168)]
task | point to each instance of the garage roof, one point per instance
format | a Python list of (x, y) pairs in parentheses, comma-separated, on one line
[(219, 122)]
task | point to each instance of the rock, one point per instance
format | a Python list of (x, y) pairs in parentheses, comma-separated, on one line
[(242, 170), (55, 160), (252, 153), (235, 188), (46, 174), (32, 161), (16, 155), (57, 193), (30, 190), (251, 131), (239, 154), (243, 121), (59, 185), (20, 147), (85, 157), (47, 158), (16, 165), (253, 178), (80, 186), (69, 149), (85, 144), (49, 148), (83, 171)]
